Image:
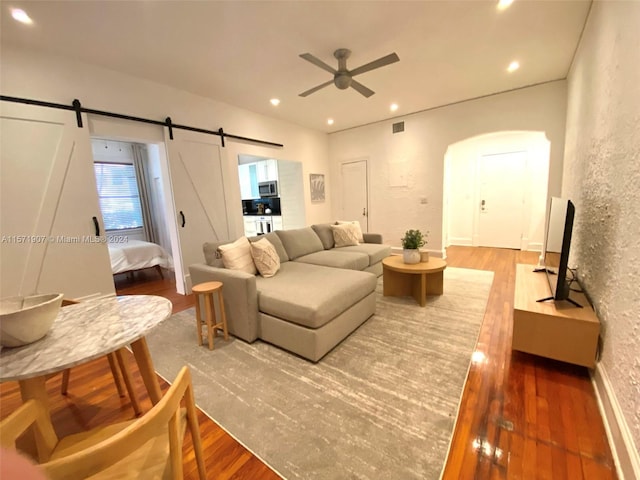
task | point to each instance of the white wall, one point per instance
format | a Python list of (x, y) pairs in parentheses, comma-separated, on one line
[(602, 177), (421, 149), (39, 76), (462, 187)]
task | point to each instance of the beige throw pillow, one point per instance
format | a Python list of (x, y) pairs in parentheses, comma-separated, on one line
[(345, 234), (237, 256), (265, 257), (357, 227)]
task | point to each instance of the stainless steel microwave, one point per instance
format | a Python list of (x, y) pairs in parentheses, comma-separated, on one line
[(268, 189)]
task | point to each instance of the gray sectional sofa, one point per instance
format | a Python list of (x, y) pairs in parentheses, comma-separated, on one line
[(319, 296)]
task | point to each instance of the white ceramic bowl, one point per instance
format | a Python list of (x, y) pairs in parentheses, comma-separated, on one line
[(24, 320)]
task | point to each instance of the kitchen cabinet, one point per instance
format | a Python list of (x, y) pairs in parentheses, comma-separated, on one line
[(247, 174), (267, 170), (276, 222), (250, 229), (263, 224)]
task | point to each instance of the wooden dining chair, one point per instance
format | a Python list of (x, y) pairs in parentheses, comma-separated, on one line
[(119, 370), (146, 447)]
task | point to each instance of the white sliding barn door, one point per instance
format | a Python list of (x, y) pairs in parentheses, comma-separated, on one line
[(198, 194), (48, 201)]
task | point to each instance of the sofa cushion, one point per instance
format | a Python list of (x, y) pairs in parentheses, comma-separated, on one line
[(300, 241), (237, 256), (276, 242), (345, 235), (312, 295), (265, 257), (375, 251), (337, 259), (323, 230), (357, 226), (211, 255)]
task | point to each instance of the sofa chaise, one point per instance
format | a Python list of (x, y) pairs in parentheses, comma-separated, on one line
[(320, 294)]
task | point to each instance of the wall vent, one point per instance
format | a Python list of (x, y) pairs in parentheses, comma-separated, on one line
[(398, 127)]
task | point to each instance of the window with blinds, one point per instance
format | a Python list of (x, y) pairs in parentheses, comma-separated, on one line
[(119, 196)]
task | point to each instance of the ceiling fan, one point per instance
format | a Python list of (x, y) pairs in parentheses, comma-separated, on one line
[(343, 78)]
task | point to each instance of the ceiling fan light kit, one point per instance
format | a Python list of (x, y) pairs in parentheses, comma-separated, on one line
[(343, 77)]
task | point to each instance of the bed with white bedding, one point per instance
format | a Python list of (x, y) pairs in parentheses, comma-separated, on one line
[(137, 255)]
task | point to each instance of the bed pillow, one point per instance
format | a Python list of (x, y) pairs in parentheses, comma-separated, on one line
[(357, 226), (345, 235), (265, 257), (237, 256)]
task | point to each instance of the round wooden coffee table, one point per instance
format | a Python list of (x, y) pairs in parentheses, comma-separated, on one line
[(417, 280)]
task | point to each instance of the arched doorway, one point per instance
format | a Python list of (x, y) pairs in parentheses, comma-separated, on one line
[(495, 190)]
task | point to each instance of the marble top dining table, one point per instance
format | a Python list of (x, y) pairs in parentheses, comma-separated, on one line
[(83, 332)]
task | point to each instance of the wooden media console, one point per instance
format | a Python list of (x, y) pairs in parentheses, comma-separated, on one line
[(557, 330)]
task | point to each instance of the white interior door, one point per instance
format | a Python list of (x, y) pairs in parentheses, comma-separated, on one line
[(354, 185), (49, 202), (501, 203), (198, 195)]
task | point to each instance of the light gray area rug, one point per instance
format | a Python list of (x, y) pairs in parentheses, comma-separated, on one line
[(380, 405)]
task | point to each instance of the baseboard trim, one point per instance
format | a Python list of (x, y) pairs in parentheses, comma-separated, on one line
[(625, 454), (461, 241)]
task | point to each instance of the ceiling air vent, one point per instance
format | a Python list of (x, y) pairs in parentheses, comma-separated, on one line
[(398, 127)]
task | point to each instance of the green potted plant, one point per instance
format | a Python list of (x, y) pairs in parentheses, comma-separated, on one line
[(411, 243)]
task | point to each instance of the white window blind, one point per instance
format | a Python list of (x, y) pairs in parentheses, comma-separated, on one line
[(119, 196)]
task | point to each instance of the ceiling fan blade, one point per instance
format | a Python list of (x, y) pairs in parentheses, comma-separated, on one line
[(361, 88), (315, 89), (317, 62), (381, 62)]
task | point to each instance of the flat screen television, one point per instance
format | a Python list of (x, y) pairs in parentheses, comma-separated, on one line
[(556, 248)]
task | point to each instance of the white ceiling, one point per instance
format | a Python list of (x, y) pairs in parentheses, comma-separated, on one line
[(245, 53)]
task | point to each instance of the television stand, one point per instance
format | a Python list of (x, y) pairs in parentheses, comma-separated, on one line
[(556, 330), (546, 299)]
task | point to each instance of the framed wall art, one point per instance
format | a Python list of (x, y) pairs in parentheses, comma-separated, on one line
[(316, 181)]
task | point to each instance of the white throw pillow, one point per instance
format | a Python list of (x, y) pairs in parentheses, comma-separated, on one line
[(265, 257), (345, 234), (237, 256), (358, 229)]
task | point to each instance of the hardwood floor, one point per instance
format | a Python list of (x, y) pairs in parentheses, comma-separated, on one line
[(521, 416)]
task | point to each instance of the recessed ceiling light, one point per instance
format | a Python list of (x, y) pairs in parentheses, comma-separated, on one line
[(330, 121), (393, 107), (275, 102), (504, 4), (21, 16), (513, 66)]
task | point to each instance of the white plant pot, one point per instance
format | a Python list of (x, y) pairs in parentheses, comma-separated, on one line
[(411, 256)]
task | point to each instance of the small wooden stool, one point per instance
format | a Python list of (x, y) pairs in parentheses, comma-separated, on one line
[(207, 290)]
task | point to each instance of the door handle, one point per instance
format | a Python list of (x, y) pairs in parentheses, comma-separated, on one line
[(364, 212), (482, 204), (183, 219), (96, 224)]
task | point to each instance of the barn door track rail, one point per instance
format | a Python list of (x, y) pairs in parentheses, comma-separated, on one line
[(77, 107)]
